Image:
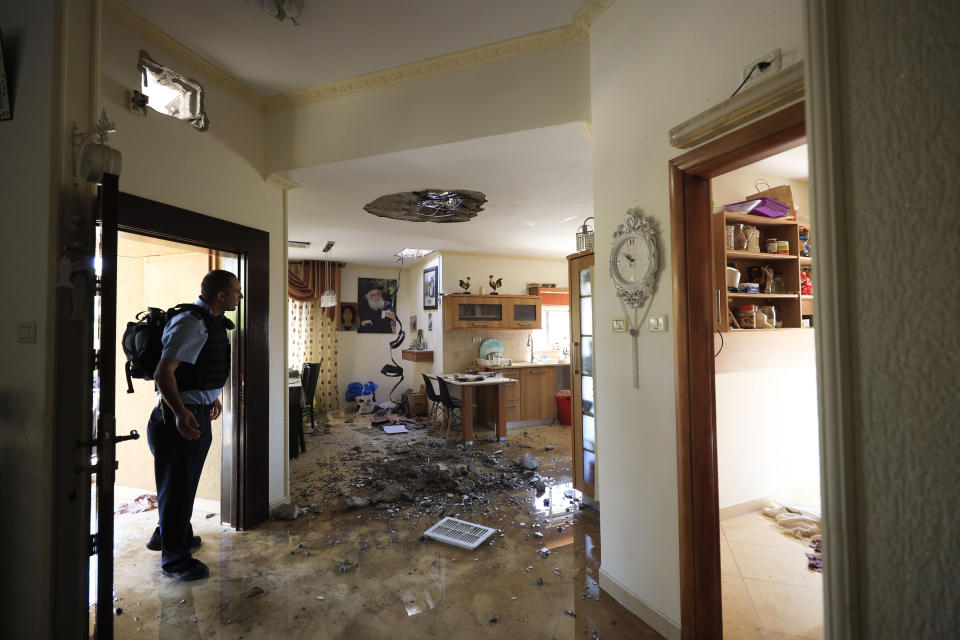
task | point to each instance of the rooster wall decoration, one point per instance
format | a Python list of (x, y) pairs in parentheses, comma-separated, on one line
[(495, 284), (465, 285)]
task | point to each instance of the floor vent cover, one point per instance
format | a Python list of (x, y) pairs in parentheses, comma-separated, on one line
[(459, 533)]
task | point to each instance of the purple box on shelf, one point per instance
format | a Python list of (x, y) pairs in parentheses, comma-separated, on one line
[(759, 207)]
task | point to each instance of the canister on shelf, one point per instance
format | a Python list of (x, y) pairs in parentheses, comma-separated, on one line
[(730, 236), (773, 246), (753, 239), (783, 247), (747, 316), (771, 313)]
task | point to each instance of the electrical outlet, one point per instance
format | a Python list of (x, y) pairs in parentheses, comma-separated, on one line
[(774, 58), (477, 338)]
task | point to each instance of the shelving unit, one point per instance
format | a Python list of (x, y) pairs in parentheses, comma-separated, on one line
[(790, 306)]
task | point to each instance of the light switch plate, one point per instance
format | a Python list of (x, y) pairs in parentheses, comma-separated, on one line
[(618, 325), (657, 324), (27, 332), (477, 338)]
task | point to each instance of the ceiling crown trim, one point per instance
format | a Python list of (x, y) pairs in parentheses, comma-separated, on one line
[(589, 12), (532, 43), (150, 33)]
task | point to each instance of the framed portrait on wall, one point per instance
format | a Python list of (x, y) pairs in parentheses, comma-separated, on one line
[(375, 305), (430, 288), (5, 109), (348, 316)]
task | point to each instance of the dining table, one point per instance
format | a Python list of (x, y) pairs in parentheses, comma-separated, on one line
[(467, 385)]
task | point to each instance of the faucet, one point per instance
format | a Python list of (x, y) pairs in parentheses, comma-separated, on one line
[(530, 344)]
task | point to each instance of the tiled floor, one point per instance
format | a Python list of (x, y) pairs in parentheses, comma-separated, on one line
[(267, 583), (768, 591)]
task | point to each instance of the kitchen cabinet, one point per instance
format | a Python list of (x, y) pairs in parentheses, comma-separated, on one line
[(537, 389), (580, 269), (482, 312), (533, 398), (513, 395)]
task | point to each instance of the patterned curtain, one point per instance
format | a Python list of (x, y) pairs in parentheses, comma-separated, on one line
[(307, 280), (313, 338)]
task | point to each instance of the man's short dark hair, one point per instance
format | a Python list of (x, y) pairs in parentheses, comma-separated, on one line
[(214, 282)]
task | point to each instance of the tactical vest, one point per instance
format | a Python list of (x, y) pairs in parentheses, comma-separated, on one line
[(212, 368)]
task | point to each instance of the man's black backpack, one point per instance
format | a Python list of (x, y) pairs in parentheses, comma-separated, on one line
[(142, 340)]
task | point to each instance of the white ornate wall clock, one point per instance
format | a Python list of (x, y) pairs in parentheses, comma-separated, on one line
[(634, 265)]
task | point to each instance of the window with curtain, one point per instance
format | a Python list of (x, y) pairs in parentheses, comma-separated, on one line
[(313, 330)]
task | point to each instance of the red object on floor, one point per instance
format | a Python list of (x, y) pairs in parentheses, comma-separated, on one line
[(563, 406)]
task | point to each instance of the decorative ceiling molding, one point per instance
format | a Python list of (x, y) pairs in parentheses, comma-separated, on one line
[(281, 182), (150, 33), (568, 34), (431, 66), (589, 12)]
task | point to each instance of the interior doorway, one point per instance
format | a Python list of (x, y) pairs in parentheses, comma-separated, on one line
[(765, 379), (699, 312)]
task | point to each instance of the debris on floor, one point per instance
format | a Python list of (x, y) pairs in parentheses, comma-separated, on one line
[(394, 428), (142, 503), (815, 559), (459, 533)]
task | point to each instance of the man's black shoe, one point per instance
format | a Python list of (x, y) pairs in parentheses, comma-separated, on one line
[(195, 571), (154, 543)]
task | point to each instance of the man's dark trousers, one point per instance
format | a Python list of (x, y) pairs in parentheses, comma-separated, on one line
[(177, 464)]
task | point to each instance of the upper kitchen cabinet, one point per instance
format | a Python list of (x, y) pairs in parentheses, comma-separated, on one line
[(491, 312)]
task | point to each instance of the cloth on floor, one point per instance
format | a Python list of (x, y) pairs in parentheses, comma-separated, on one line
[(146, 502), (802, 522)]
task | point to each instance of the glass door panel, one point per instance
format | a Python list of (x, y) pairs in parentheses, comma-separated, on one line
[(589, 433), (586, 394), (586, 356), (586, 316)]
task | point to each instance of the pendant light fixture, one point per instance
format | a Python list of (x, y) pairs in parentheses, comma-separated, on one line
[(329, 297)]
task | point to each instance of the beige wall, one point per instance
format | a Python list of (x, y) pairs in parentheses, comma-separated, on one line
[(894, 171), (145, 279), (27, 205), (653, 65), (515, 94), (216, 173)]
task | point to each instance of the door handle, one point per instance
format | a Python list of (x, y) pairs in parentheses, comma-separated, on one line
[(537, 372), (480, 324), (512, 404), (524, 324), (718, 306)]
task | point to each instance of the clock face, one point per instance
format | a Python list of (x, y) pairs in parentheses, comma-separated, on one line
[(632, 259)]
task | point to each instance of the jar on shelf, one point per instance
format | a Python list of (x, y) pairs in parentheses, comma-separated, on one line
[(753, 239), (783, 247), (771, 313), (730, 237), (772, 245), (739, 238), (747, 316)]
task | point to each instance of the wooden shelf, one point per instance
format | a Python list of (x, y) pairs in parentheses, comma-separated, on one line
[(753, 255), (757, 221), (784, 296), (417, 356), (803, 297)]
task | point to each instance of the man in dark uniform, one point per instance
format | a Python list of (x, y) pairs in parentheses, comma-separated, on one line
[(194, 366)]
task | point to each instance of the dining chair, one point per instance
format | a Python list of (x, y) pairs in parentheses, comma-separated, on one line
[(437, 406), (452, 405), (309, 376)]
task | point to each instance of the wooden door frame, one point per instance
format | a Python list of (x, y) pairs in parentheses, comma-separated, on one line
[(694, 308), (248, 458)]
